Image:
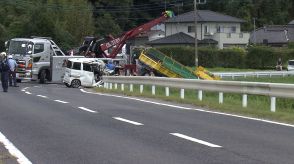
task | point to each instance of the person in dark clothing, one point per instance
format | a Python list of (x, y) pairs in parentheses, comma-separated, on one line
[(4, 70)]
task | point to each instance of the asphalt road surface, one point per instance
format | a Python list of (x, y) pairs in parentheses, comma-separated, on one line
[(52, 124)]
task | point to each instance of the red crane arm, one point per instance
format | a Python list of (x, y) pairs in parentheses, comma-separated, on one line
[(119, 42)]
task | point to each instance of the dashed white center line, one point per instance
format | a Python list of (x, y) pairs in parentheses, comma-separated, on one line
[(128, 121), (42, 96), (88, 110), (195, 140), (29, 93), (64, 102)]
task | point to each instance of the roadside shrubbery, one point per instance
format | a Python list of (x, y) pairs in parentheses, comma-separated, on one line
[(256, 57)]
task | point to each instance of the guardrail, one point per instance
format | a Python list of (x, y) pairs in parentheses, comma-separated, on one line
[(234, 75), (272, 90)]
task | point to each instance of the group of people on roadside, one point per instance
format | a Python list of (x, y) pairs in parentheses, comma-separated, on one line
[(8, 71)]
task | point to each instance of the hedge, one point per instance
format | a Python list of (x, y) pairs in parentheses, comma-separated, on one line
[(257, 57)]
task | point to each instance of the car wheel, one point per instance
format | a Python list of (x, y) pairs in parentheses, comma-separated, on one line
[(75, 83), (18, 80)]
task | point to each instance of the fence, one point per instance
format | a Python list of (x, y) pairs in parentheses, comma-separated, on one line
[(234, 75), (272, 90)]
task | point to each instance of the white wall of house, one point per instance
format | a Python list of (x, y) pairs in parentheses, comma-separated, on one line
[(225, 33)]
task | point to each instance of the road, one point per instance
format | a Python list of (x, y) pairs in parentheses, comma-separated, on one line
[(55, 124)]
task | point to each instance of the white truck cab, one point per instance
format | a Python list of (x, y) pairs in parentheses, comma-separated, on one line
[(33, 55)]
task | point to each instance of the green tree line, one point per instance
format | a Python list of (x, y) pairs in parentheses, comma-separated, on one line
[(68, 21)]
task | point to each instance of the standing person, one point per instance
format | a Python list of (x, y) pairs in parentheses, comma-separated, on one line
[(12, 73), (4, 70), (279, 66)]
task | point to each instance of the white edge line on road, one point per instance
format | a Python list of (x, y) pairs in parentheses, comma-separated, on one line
[(128, 121), (21, 159), (200, 110), (195, 140), (29, 93), (64, 102), (42, 96), (88, 110)]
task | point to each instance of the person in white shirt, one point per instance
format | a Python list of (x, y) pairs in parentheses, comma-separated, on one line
[(12, 73)]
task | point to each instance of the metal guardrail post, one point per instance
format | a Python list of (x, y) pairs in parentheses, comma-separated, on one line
[(244, 101), (153, 89), (182, 93), (110, 85), (115, 86), (200, 95), (131, 87), (167, 91), (141, 88), (273, 104), (122, 87), (221, 97)]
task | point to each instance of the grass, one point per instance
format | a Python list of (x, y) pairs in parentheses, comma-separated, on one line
[(221, 69), (286, 79), (258, 106)]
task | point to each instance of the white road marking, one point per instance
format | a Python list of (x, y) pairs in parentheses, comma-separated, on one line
[(64, 102), (88, 110), (21, 159), (42, 96), (24, 89), (195, 140), (200, 110), (128, 121), (29, 93)]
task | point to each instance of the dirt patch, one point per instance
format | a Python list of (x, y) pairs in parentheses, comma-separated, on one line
[(5, 157)]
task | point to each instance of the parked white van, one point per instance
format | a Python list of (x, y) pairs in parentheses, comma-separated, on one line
[(83, 72), (290, 66)]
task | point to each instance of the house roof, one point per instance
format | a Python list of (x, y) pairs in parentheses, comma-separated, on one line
[(204, 16), (274, 34), (180, 38), (292, 22)]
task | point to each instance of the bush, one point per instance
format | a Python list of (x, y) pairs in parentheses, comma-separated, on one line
[(256, 57)]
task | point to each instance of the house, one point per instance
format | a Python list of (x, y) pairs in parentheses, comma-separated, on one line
[(273, 35), (223, 29), (180, 39)]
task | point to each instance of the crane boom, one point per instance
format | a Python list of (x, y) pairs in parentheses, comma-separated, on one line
[(118, 43)]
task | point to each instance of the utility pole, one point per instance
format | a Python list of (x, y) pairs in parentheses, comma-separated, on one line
[(195, 29), (254, 32)]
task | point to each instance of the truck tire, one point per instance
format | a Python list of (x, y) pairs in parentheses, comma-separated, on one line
[(75, 83), (18, 80), (43, 77)]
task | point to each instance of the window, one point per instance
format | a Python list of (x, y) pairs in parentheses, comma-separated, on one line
[(191, 29), (87, 67), (206, 30), (67, 63), (38, 48), (76, 66), (219, 29), (234, 29)]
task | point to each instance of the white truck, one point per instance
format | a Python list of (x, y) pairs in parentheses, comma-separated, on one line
[(33, 56)]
